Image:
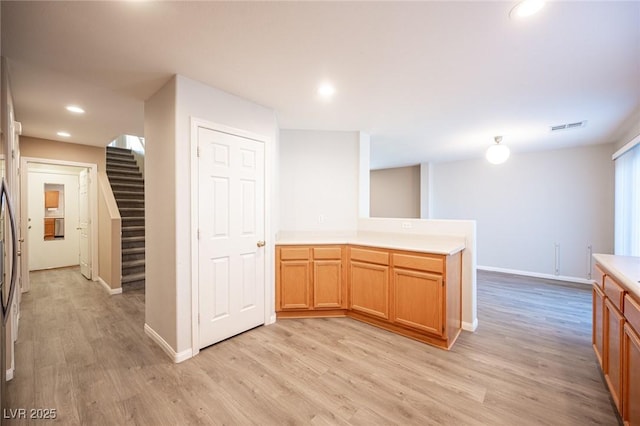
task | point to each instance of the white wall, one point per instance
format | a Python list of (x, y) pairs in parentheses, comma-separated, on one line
[(395, 192), (168, 190), (319, 180), (530, 203)]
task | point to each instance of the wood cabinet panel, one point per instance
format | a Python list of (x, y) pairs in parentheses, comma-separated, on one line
[(614, 292), (598, 276), (631, 374), (294, 285), (418, 300), (49, 228), (370, 289), (598, 323), (327, 283), (370, 256), (320, 253), (613, 337), (51, 199), (632, 312), (422, 263), (294, 253)]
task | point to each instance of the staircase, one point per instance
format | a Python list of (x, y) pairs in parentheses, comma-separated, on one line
[(127, 184)]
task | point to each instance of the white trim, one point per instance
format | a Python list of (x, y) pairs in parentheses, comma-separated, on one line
[(467, 326), (93, 205), (536, 275), (269, 249), (177, 357), (630, 145), (110, 290), (10, 374)]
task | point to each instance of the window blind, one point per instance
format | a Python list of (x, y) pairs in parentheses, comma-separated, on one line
[(627, 203)]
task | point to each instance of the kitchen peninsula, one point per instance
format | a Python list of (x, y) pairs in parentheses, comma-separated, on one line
[(407, 284)]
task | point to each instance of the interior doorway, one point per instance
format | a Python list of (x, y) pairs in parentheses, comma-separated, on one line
[(59, 213)]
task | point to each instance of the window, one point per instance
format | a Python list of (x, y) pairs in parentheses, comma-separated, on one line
[(627, 203)]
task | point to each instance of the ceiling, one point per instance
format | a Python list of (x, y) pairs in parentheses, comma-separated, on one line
[(429, 81)]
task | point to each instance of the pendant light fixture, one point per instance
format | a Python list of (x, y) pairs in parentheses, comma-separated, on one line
[(498, 154)]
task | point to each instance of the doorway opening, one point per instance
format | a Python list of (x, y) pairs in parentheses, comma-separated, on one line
[(59, 213)]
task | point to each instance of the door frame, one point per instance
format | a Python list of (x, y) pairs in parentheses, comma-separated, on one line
[(269, 248), (93, 205)]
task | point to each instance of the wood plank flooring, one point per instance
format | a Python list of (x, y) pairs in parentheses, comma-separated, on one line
[(530, 362)]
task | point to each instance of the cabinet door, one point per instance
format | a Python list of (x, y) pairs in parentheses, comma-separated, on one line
[(418, 300), (327, 284), (598, 323), (370, 289), (613, 335), (631, 377), (295, 285)]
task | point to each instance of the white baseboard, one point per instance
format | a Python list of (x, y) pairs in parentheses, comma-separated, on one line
[(110, 290), (468, 326), (536, 275), (9, 374), (175, 356)]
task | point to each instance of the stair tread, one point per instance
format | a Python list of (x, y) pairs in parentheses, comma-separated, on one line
[(132, 263), (130, 239), (133, 228), (133, 250), (133, 277)]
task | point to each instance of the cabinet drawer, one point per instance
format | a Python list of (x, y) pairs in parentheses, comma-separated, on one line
[(294, 253), (614, 292), (422, 263), (327, 253), (370, 256), (598, 276), (632, 313)]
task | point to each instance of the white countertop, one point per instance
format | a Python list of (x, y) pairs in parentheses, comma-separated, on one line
[(625, 269), (436, 244)]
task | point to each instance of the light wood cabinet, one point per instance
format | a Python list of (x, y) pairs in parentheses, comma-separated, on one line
[(616, 321), (51, 199), (308, 279), (598, 323), (414, 294), (49, 228), (613, 335)]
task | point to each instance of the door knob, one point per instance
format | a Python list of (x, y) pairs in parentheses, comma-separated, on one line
[(19, 253), (21, 240), (260, 243)]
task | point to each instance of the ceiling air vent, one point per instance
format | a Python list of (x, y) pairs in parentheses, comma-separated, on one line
[(568, 126)]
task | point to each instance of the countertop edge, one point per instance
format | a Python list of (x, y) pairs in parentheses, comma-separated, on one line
[(606, 261)]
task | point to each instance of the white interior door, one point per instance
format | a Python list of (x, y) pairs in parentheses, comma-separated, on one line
[(231, 265), (84, 221)]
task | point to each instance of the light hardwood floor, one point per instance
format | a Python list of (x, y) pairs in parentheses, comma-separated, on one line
[(529, 363)]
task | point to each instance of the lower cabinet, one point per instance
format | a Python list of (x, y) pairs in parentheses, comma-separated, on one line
[(309, 278), (369, 279), (418, 300), (598, 322), (613, 334), (414, 294), (631, 374), (616, 341)]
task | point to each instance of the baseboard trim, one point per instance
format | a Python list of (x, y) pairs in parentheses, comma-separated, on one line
[(110, 290), (470, 326), (9, 374), (177, 357), (536, 275)]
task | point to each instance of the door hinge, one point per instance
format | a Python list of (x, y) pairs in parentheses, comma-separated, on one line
[(198, 234), (197, 151)]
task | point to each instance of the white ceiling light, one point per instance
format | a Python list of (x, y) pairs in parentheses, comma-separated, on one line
[(526, 8), (75, 109), (326, 90), (498, 154), (64, 134)]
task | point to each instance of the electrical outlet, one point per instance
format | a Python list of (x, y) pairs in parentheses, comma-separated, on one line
[(406, 225), (321, 218)]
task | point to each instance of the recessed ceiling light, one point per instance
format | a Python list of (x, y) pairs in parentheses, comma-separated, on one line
[(64, 134), (526, 8), (326, 90), (75, 109)]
